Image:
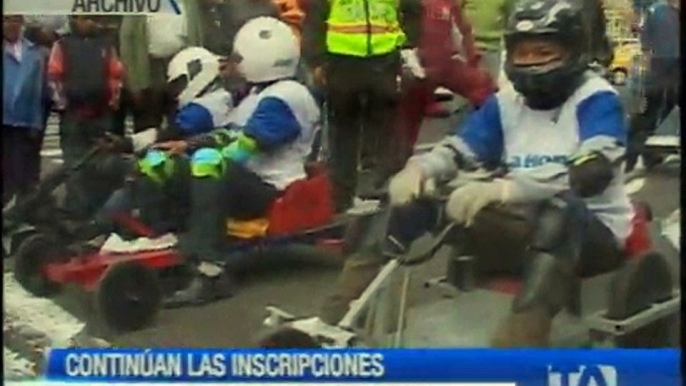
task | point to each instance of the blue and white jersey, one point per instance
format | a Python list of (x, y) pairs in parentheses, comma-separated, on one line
[(536, 145), (283, 119), (205, 113)]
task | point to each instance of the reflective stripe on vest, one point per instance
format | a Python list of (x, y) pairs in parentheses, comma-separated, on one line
[(363, 27)]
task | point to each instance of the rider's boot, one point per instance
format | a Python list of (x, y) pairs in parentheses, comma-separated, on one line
[(209, 283), (547, 290), (359, 270), (550, 280), (202, 242)]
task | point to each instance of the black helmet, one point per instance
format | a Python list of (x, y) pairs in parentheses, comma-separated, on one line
[(548, 85)]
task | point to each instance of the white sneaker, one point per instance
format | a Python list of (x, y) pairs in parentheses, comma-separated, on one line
[(115, 244), (362, 207), (443, 92)]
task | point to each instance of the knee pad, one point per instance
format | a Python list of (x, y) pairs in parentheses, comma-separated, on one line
[(548, 284), (157, 166), (208, 162), (558, 230)]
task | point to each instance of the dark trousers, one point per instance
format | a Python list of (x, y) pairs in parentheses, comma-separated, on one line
[(662, 94), (362, 95), (514, 229), (199, 207), (20, 160), (152, 106), (500, 239), (77, 136), (238, 194)]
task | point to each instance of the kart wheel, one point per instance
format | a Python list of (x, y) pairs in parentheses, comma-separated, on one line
[(129, 296), (642, 282), (36, 251), (13, 237), (287, 337)]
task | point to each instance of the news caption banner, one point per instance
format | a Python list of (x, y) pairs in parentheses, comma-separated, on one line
[(426, 366), (71, 7)]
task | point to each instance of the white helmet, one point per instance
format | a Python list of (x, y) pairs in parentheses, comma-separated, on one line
[(266, 49), (199, 66)]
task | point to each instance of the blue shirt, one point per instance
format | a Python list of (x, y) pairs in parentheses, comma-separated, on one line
[(24, 87), (661, 31)]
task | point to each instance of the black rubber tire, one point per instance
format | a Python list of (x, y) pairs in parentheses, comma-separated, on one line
[(17, 241), (129, 296), (287, 337), (640, 283), (32, 255)]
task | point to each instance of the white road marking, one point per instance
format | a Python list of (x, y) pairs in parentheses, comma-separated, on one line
[(43, 316), (51, 153), (671, 229), (635, 185), (15, 366)]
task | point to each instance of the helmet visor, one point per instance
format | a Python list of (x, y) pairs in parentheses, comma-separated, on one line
[(543, 51)]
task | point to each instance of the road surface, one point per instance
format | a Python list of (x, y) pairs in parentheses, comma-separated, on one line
[(298, 285)]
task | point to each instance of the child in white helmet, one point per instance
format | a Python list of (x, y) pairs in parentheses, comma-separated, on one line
[(276, 124), (203, 105)]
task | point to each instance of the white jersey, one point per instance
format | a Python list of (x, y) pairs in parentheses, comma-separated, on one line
[(533, 138), (537, 145), (286, 163)]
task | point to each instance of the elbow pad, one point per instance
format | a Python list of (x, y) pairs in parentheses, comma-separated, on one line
[(590, 174)]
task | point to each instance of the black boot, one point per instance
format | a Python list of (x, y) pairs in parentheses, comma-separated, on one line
[(209, 283)]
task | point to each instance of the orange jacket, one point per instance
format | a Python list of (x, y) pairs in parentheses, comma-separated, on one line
[(292, 14)]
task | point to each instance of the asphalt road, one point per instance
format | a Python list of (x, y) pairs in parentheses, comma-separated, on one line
[(297, 281)]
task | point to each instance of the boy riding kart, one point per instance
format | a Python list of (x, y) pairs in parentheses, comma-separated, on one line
[(237, 176), (560, 131), (202, 106)]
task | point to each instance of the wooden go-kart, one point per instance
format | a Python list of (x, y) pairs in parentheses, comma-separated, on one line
[(127, 286), (634, 306)]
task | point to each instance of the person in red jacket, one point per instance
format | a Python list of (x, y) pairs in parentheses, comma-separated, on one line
[(447, 57)]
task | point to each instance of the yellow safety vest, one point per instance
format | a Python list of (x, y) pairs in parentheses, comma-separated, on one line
[(363, 27)]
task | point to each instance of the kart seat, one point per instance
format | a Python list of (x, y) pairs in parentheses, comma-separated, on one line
[(305, 204)]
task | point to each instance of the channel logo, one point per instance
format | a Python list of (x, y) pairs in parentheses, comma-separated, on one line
[(582, 376)]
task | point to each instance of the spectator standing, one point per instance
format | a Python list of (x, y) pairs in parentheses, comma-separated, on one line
[(237, 12), (111, 26), (660, 42), (147, 44), (23, 108), (488, 19), (354, 47), (85, 76), (445, 61), (292, 14), (42, 31), (600, 47)]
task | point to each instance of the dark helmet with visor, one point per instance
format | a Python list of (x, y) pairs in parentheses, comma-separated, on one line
[(548, 85)]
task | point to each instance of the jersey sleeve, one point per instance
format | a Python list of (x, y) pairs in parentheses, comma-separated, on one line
[(601, 125), (479, 141), (272, 124), (194, 119)]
